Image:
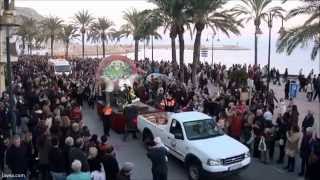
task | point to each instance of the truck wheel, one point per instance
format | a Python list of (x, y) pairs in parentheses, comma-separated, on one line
[(194, 171)]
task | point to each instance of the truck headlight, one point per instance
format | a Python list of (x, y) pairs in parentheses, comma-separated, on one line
[(214, 162), (247, 154)]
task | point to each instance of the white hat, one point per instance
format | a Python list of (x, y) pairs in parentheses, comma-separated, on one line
[(127, 168)]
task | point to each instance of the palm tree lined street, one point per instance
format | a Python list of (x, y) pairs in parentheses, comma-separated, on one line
[(177, 19)]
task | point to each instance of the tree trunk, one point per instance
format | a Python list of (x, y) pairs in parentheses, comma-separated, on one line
[(82, 45), (23, 45), (103, 49), (173, 50), (30, 48), (97, 51), (67, 50), (196, 55), (144, 49), (255, 48), (136, 49), (181, 56), (152, 48), (51, 45)]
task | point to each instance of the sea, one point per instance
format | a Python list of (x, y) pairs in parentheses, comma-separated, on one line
[(299, 59)]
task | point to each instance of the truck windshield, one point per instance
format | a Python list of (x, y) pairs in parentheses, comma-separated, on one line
[(62, 68), (202, 129)]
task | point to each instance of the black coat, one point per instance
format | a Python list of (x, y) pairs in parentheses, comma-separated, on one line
[(17, 159), (305, 149), (158, 157), (111, 166), (78, 154), (307, 122), (57, 160), (122, 176), (94, 164)]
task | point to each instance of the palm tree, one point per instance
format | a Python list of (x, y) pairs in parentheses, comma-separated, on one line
[(308, 32), (101, 30), (255, 10), (175, 19), (39, 38), (134, 26), (52, 25), (27, 31), (152, 21), (207, 13), (68, 33), (83, 19)]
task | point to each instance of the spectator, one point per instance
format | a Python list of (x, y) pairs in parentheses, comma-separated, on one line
[(258, 129), (77, 174), (305, 149), (76, 153), (286, 89), (312, 171), (308, 121), (292, 146), (17, 157), (96, 167), (125, 171), (44, 147), (110, 164), (158, 156), (94, 162), (57, 161)]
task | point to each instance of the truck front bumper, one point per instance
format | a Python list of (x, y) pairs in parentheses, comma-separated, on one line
[(226, 170)]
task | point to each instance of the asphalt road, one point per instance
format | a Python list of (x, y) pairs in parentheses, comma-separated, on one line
[(133, 151)]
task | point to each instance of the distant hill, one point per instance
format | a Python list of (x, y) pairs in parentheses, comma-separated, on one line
[(28, 12)]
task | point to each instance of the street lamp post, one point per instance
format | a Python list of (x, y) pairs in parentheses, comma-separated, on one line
[(270, 17), (212, 49), (7, 21), (152, 48), (281, 31), (144, 49)]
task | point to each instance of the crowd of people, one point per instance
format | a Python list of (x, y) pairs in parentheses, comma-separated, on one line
[(52, 140)]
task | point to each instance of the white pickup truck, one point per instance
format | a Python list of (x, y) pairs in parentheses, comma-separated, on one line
[(194, 138)]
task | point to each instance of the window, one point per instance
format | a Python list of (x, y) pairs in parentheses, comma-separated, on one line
[(176, 128), (63, 68), (202, 129)]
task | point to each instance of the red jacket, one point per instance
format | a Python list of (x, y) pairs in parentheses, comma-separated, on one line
[(236, 126)]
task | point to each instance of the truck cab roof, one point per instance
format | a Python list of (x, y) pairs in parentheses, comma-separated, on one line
[(189, 116), (59, 62)]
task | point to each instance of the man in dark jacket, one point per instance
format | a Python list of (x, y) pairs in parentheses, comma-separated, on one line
[(308, 121), (282, 128), (305, 149), (286, 89), (76, 153), (312, 171), (57, 162), (110, 164), (3, 147), (17, 157), (130, 113), (158, 156)]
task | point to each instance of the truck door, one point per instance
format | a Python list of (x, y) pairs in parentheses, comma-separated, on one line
[(175, 140)]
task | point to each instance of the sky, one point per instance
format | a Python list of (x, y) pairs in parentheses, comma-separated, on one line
[(113, 9)]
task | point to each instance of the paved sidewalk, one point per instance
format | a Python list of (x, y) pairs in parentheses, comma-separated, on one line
[(301, 101)]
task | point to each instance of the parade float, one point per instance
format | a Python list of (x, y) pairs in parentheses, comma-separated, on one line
[(114, 81)]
